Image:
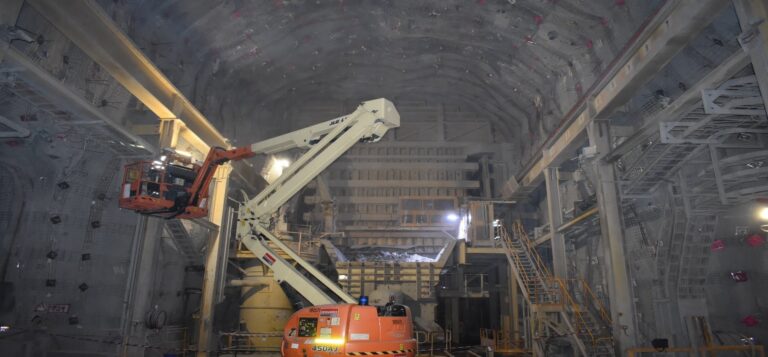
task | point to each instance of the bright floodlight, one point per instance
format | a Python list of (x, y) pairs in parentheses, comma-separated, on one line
[(283, 163), (763, 213), (452, 217)]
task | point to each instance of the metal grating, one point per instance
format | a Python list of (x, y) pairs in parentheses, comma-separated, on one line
[(724, 117), (695, 255)]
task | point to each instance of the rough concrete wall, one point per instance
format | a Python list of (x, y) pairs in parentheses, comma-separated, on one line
[(74, 234), (58, 254)]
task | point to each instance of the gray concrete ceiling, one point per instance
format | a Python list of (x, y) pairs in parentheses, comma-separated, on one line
[(518, 64)]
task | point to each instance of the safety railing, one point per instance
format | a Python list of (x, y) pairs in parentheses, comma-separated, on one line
[(598, 304), (175, 338), (515, 255), (543, 288), (424, 338), (500, 341), (750, 350), (581, 327), (532, 270), (245, 341), (519, 232), (476, 283)]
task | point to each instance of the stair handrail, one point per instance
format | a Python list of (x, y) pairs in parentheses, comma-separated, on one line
[(527, 282), (542, 270), (577, 311), (514, 257), (597, 302), (531, 249), (536, 285), (548, 281)]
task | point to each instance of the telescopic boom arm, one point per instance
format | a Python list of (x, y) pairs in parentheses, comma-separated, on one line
[(326, 142)]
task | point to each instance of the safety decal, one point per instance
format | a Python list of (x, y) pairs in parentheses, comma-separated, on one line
[(360, 336), (329, 312), (269, 258)]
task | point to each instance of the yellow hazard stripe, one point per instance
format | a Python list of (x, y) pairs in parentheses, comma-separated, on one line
[(378, 353)]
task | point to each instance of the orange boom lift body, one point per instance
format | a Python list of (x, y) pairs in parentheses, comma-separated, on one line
[(349, 330)]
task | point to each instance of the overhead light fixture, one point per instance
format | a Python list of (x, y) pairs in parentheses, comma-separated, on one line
[(452, 217), (762, 213)]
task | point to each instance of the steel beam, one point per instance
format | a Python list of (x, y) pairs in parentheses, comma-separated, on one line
[(753, 18), (683, 24), (683, 104), (612, 242), (566, 226), (464, 184), (675, 26), (91, 29)]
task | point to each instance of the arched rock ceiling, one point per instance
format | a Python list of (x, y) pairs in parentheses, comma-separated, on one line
[(518, 64)]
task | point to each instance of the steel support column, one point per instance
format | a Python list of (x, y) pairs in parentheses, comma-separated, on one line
[(753, 18), (485, 177), (615, 266), (515, 328), (555, 211), (140, 284), (218, 194)]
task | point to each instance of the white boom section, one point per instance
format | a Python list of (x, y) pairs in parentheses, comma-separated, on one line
[(368, 123), (309, 136), (327, 142)]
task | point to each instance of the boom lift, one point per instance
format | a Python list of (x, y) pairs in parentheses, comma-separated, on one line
[(176, 187)]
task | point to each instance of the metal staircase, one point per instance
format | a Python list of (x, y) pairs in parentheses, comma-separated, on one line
[(183, 241), (558, 307)]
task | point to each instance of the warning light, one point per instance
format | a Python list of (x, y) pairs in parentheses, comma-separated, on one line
[(363, 300)]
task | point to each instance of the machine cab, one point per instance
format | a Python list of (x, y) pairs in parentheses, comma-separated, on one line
[(349, 330)]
